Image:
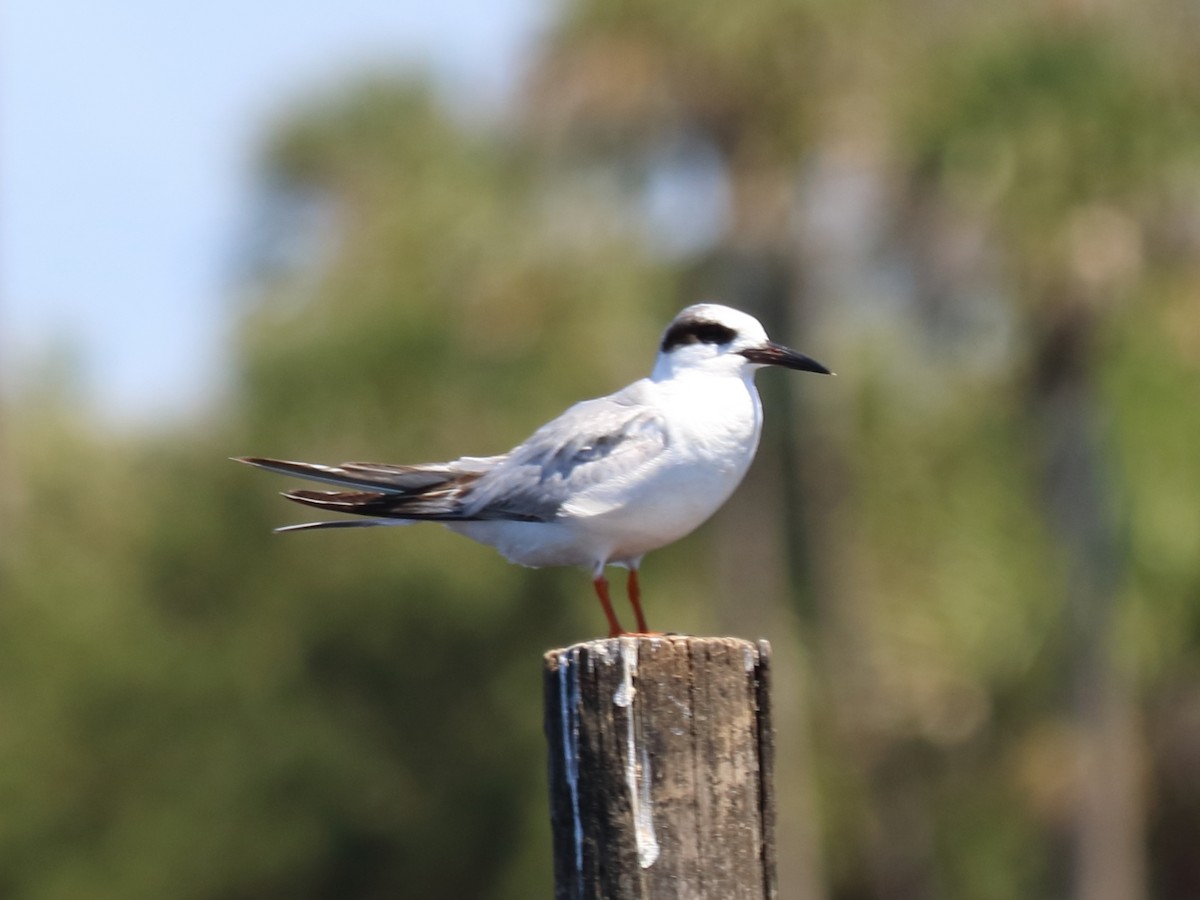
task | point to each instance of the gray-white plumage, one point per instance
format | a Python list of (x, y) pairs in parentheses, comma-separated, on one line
[(604, 483)]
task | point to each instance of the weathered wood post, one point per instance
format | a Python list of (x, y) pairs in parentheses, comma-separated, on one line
[(661, 756)]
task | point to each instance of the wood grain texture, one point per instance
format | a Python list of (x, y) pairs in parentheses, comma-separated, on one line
[(660, 756)]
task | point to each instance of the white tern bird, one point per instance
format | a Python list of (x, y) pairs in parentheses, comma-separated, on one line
[(603, 484)]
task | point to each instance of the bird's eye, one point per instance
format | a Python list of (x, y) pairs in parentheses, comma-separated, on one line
[(696, 331)]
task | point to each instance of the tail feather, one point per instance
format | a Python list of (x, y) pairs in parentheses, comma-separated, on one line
[(341, 523), (440, 506), (349, 501)]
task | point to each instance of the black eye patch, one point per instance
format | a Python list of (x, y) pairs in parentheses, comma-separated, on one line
[(696, 331)]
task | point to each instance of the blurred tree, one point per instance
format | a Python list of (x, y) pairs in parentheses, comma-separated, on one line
[(1064, 124)]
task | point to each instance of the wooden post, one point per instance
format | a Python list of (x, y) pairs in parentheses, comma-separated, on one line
[(661, 756)]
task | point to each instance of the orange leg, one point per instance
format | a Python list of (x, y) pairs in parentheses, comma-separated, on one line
[(600, 583), (635, 600)]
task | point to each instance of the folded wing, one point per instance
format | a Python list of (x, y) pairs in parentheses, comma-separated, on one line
[(592, 444)]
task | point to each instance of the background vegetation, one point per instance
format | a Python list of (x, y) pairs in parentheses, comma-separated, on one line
[(977, 551)]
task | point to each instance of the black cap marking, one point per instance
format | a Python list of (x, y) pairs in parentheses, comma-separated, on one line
[(696, 331)]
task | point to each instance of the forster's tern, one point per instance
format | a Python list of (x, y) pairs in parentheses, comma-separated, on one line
[(607, 481)]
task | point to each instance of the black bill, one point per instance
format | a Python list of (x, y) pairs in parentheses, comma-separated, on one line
[(772, 354)]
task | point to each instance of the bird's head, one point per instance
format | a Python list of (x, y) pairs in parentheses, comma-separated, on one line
[(709, 337)]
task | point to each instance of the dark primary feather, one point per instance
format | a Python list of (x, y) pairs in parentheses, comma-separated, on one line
[(396, 492), (440, 506), (379, 476)]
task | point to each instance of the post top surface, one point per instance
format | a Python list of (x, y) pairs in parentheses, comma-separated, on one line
[(613, 647)]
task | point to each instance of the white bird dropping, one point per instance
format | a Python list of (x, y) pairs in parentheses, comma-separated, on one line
[(637, 759)]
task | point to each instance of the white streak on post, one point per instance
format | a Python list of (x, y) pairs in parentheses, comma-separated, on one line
[(568, 700), (637, 771), (625, 690)]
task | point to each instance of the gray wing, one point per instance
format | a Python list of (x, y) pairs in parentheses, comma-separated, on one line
[(592, 444)]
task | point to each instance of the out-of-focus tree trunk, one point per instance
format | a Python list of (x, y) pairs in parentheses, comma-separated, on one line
[(1107, 833), (841, 226)]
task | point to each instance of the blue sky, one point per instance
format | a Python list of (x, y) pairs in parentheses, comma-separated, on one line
[(127, 135)]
